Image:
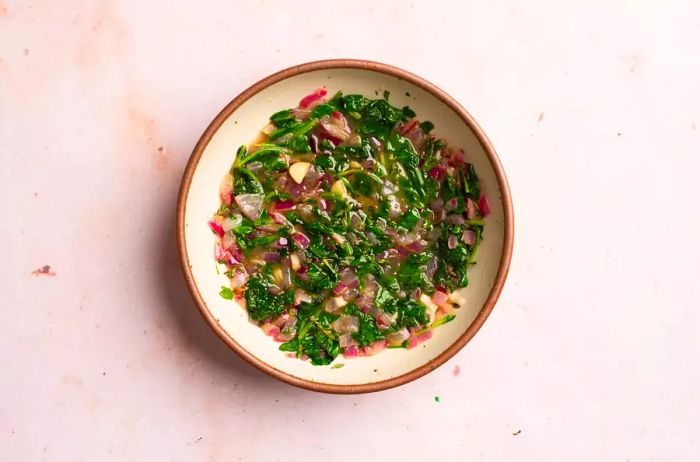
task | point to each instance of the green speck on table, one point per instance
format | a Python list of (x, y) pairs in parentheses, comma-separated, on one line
[(437, 399)]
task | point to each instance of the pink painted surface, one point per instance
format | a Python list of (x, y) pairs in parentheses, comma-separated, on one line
[(591, 354)]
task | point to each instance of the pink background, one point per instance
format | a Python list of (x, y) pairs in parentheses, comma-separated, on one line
[(592, 352)]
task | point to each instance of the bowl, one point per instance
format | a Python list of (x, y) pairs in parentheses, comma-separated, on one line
[(240, 123)]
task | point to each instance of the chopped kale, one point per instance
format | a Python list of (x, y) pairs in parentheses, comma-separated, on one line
[(261, 304), (368, 332)]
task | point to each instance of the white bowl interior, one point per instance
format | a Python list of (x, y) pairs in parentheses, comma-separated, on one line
[(241, 127)]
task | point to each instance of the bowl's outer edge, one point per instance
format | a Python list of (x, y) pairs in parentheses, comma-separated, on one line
[(508, 235)]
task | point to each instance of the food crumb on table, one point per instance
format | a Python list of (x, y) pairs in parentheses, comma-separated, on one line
[(44, 271)]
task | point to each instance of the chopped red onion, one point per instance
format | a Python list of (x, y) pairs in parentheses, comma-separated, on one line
[(372, 238), (281, 319), (350, 294), (408, 126), (271, 257), (437, 205), (254, 166), (346, 340), (301, 240), (270, 229), (346, 325), (388, 188), (416, 136), (455, 219), (439, 297), (314, 143), (394, 208), (334, 132), (484, 206), (313, 97), (386, 254), (350, 351), (226, 189), (350, 281), (383, 321), (301, 297), (296, 190), (431, 267), (281, 182), (306, 211), (426, 335), (250, 205), (284, 205), (291, 322), (451, 204), (355, 221), (229, 223), (371, 286), (417, 246), (398, 337), (339, 289), (239, 278), (469, 237), (437, 172), (374, 348), (323, 205), (278, 218), (452, 242), (216, 227), (270, 329), (471, 209), (376, 143), (219, 253), (312, 179)]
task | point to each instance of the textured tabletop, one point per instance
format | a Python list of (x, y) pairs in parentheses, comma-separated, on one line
[(592, 352)]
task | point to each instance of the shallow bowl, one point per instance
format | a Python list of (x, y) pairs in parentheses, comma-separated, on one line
[(240, 123)]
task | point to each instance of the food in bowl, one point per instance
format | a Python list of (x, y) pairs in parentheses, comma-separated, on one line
[(346, 227)]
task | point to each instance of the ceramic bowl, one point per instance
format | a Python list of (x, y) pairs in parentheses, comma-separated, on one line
[(240, 123)]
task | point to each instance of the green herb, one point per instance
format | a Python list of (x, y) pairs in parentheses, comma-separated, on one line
[(263, 151), (297, 129), (409, 313), (413, 273), (443, 320), (320, 277), (426, 126), (283, 118), (471, 185), (379, 117), (368, 332), (261, 304), (226, 293), (245, 182), (322, 110), (409, 219), (315, 337)]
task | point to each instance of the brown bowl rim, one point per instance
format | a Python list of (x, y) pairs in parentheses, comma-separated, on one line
[(505, 199)]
